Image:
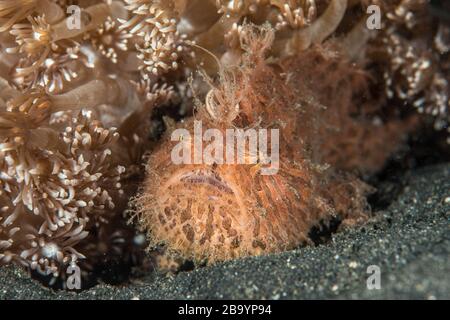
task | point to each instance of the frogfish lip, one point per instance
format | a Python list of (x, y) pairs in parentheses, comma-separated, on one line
[(208, 179)]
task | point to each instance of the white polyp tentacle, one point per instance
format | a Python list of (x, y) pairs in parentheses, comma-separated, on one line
[(323, 27), (210, 104)]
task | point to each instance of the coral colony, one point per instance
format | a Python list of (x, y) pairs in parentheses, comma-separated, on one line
[(100, 100)]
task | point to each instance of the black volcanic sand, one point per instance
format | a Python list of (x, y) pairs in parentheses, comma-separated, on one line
[(409, 241)]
